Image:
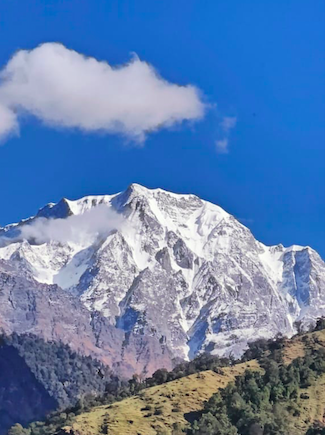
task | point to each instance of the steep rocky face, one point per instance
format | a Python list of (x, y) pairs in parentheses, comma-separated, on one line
[(176, 270), (27, 306)]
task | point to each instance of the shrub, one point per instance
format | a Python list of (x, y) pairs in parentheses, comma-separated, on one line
[(158, 411)]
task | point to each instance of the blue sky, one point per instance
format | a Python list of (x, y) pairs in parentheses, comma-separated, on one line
[(259, 62)]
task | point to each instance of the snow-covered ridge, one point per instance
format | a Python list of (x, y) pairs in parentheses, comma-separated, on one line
[(171, 265)]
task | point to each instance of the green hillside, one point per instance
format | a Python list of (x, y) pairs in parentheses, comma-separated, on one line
[(158, 408), (171, 408)]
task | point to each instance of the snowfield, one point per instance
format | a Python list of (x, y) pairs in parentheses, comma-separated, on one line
[(170, 266)]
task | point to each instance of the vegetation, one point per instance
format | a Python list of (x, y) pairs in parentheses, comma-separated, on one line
[(261, 403), (117, 390), (270, 391), (198, 364), (65, 374), (175, 401), (317, 428)]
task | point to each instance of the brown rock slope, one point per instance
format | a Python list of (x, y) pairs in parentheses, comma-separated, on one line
[(27, 306)]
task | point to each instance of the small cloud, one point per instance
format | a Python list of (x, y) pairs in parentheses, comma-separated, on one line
[(96, 222), (82, 229), (222, 146), (227, 124), (66, 89)]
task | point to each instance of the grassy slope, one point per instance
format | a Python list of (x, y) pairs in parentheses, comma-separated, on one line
[(176, 398), (312, 409), (295, 347)]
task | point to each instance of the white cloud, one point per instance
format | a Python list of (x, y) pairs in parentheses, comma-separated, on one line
[(81, 229), (222, 146), (65, 89), (8, 122), (228, 123)]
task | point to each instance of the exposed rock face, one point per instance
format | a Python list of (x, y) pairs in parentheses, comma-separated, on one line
[(27, 306), (177, 272), (22, 398)]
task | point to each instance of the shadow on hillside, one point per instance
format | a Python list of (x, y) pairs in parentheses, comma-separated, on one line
[(192, 416)]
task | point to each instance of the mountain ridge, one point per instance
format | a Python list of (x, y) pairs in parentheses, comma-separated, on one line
[(169, 266)]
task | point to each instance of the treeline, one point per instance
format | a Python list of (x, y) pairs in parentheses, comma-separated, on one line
[(262, 403), (274, 346), (199, 364)]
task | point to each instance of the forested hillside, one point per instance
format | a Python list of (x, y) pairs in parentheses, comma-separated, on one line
[(37, 377), (22, 397), (269, 402), (278, 388)]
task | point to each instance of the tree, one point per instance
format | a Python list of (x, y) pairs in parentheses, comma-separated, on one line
[(298, 325), (256, 429), (160, 376), (212, 425), (17, 429), (317, 428), (320, 324), (177, 429)]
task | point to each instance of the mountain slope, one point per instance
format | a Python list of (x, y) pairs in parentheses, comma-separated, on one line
[(172, 268), (27, 306), (139, 415), (178, 403), (189, 394)]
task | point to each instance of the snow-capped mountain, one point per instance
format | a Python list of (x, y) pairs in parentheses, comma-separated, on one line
[(167, 266)]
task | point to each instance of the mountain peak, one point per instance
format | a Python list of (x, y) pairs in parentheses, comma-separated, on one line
[(135, 187), (173, 266), (59, 210)]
